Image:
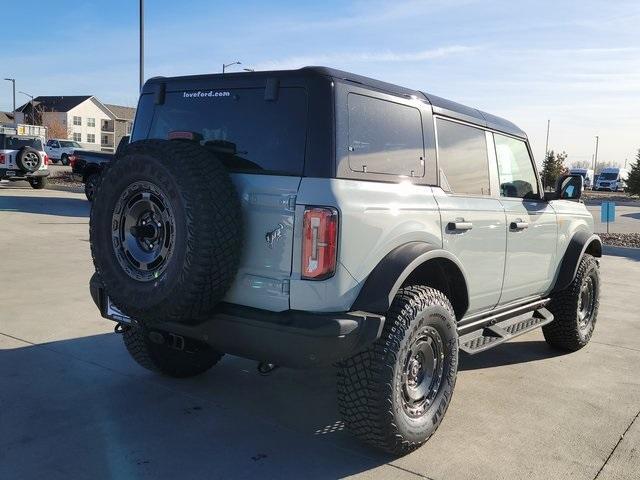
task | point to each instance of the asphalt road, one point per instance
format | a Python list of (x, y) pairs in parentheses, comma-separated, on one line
[(74, 405)]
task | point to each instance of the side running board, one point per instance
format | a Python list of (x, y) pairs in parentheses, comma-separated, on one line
[(492, 336)]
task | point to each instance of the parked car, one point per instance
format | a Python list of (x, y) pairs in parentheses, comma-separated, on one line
[(612, 179), (87, 166), (22, 158), (586, 174), (315, 217), (59, 150)]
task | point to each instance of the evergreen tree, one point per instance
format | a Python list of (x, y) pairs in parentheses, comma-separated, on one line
[(633, 182), (552, 168)]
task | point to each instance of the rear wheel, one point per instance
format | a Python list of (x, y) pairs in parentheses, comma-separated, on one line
[(161, 352), (38, 183), (575, 309), (64, 159), (395, 394)]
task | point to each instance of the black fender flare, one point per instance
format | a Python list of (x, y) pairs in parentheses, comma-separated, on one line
[(578, 245), (387, 277)]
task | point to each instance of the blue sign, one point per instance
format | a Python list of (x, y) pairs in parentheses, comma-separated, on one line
[(608, 212)]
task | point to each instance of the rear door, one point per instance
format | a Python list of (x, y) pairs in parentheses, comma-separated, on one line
[(261, 140), (532, 228), (472, 217)]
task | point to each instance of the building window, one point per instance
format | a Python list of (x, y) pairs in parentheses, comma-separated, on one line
[(77, 120), (91, 138), (105, 139), (91, 122), (77, 136)]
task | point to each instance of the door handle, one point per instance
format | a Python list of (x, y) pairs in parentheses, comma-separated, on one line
[(518, 224), (459, 226)]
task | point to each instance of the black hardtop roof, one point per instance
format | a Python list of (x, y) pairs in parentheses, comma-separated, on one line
[(440, 105)]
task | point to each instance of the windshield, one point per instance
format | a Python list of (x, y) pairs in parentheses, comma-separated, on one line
[(608, 176), (65, 144), (10, 142)]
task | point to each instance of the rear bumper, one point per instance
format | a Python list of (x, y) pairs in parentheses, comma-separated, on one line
[(20, 175), (292, 338)]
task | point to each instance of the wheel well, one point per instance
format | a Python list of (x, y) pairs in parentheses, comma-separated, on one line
[(443, 275), (594, 248)]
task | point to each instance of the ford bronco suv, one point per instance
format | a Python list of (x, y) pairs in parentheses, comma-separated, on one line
[(22, 158), (315, 217)]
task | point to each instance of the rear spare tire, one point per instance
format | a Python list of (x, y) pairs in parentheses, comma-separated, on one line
[(28, 159), (166, 231)]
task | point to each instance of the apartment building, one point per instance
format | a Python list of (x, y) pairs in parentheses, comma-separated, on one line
[(83, 118)]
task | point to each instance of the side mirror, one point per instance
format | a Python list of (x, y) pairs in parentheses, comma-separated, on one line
[(569, 187)]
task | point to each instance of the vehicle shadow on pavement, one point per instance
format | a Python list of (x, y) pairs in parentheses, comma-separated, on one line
[(81, 408), (626, 252), (509, 353), (58, 206)]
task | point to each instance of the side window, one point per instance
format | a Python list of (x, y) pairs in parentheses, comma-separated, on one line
[(515, 168), (384, 137), (463, 159)]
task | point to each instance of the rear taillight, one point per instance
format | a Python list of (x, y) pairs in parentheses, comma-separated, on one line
[(72, 160), (2, 158), (319, 243), (46, 159)]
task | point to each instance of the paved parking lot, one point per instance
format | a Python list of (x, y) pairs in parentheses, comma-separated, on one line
[(73, 405)]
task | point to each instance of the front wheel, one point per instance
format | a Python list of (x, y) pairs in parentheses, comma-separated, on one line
[(168, 354), (395, 394), (575, 309)]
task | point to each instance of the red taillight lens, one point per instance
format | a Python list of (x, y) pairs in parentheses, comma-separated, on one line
[(46, 159), (319, 243), (2, 158), (72, 160)]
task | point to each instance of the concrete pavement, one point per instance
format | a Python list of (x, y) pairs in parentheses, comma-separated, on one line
[(74, 405)]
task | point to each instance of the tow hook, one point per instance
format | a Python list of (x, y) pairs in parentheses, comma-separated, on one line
[(121, 327), (265, 368)]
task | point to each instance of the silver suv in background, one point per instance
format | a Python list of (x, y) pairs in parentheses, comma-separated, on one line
[(22, 158), (316, 217)]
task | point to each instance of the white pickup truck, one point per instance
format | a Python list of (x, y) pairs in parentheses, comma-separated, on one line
[(59, 150)]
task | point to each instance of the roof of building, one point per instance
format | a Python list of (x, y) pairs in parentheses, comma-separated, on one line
[(6, 117), (56, 103), (120, 112)]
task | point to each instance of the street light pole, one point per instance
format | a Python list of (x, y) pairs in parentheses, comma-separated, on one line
[(13, 80), (225, 65), (141, 44), (595, 157)]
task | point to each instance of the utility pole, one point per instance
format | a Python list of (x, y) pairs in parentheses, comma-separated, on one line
[(33, 118), (13, 80), (546, 145), (141, 44), (595, 157)]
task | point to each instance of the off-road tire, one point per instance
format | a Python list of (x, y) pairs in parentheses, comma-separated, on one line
[(207, 232), (25, 159), (38, 183), (91, 185), (150, 349), (370, 383), (565, 332)]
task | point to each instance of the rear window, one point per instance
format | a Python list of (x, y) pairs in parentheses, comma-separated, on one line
[(247, 132), (11, 142)]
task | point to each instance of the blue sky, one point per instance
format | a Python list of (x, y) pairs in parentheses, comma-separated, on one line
[(577, 63)]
